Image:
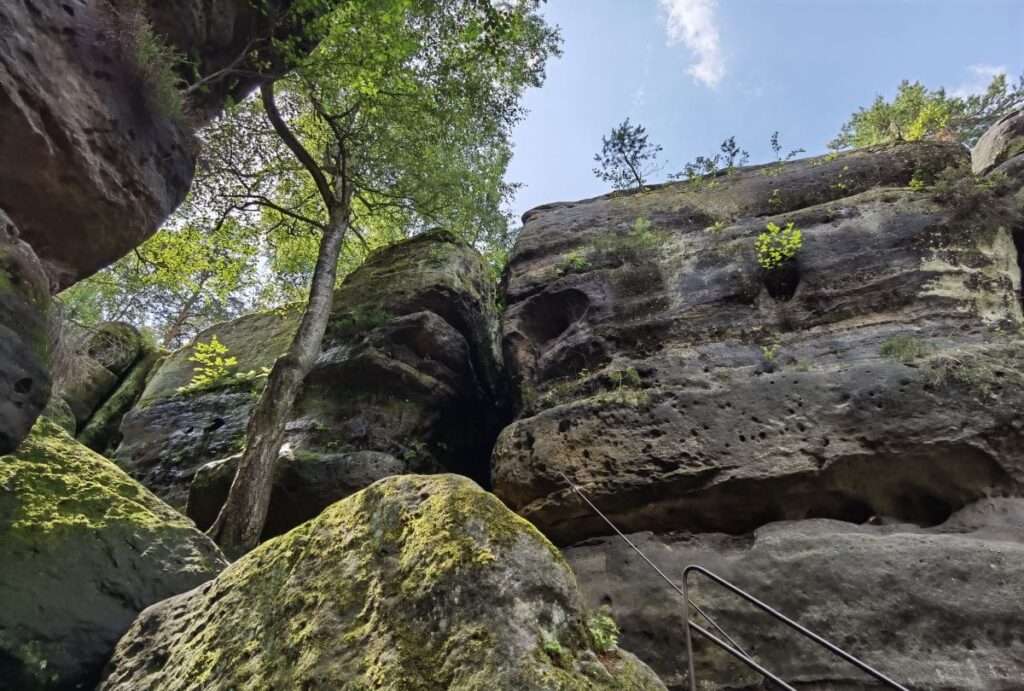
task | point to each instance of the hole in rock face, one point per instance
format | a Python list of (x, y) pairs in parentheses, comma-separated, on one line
[(23, 385), (549, 315), (841, 508), (782, 281)]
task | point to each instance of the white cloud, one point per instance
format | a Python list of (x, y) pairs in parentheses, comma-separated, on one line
[(692, 23), (982, 76)]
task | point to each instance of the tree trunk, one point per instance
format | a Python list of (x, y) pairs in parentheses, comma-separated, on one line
[(240, 522), (174, 330)]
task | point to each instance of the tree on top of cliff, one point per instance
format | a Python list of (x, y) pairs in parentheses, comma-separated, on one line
[(400, 118), (627, 158), (917, 113)]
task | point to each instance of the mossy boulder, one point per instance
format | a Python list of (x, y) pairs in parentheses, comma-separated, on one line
[(102, 432), (59, 412), (24, 341), (417, 582), (84, 549)]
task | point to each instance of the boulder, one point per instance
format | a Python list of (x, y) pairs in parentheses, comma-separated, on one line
[(1001, 142), (88, 169), (59, 412), (407, 369), (24, 336), (96, 150), (102, 432), (115, 345), (85, 385), (936, 608), (85, 549), (686, 387), (304, 485), (417, 582), (173, 428)]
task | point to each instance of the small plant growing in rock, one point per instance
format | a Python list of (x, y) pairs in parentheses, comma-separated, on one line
[(775, 198), (903, 349), (415, 448), (604, 633), (717, 227), (213, 364), (778, 245), (574, 263), (554, 649), (619, 248), (625, 388), (917, 182), (769, 352), (731, 155), (965, 192), (776, 170)]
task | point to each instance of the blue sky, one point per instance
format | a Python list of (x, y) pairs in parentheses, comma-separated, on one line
[(697, 71)]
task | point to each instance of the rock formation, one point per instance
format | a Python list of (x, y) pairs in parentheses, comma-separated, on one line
[(417, 582), (24, 338), (934, 608), (93, 139), (686, 387), (866, 393), (406, 381), (84, 550)]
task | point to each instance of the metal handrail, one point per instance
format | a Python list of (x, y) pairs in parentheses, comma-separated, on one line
[(650, 563), (732, 647), (803, 630)]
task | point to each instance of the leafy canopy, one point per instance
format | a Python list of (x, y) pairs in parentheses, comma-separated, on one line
[(917, 113), (408, 105)]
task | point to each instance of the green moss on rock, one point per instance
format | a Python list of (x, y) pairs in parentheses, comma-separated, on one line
[(417, 582), (85, 548)]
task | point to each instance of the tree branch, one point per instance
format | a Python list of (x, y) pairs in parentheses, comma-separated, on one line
[(292, 142)]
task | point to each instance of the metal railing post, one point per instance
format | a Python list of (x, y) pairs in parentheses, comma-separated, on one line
[(689, 636)]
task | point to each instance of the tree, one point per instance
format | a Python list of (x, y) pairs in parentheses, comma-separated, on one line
[(626, 157), (917, 113), (400, 117), (190, 274)]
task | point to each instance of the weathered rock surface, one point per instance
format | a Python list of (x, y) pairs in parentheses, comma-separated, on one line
[(102, 432), (24, 338), (98, 359), (686, 388), (87, 170), (304, 485), (407, 369), (1000, 143), (936, 608), (417, 582), (84, 549), (87, 142)]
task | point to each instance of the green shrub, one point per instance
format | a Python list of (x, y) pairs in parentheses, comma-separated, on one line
[(904, 349), (619, 247), (778, 245), (213, 364), (155, 63), (574, 263)]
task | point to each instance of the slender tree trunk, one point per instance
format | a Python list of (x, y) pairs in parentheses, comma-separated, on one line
[(174, 330), (240, 523)]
